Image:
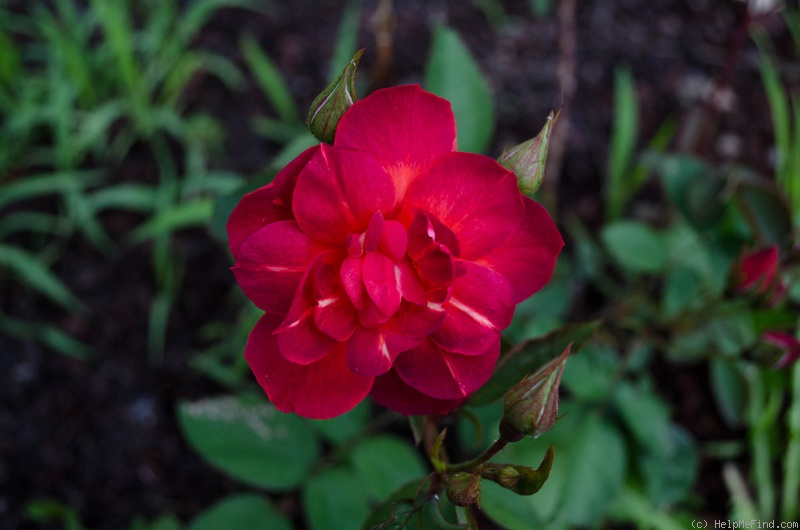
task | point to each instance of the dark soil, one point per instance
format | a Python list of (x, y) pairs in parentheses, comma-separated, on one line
[(101, 436)]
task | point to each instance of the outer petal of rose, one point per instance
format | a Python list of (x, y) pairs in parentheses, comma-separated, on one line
[(267, 204), (419, 321), (392, 392), (320, 390), (338, 192), (528, 259), (473, 196), (480, 306), (404, 128), (445, 375), (271, 263), (302, 342), (368, 353)]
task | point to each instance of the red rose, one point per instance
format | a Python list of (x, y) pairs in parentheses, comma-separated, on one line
[(757, 270), (787, 344), (387, 263)]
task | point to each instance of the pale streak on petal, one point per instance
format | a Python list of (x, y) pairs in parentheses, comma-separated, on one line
[(326, 302), (474, 315)]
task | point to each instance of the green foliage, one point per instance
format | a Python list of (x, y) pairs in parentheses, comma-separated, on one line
[(624, 132), (635, 246), (452, 73), (250, 440), (241, 511)]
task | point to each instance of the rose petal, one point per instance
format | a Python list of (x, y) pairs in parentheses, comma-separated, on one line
[(320, 390), (480, 306), (381, 282), (392, 392), (301, 342), (267, 204), (374, 232), (444, 375), (419, 321), (271, 263), (528, 259), (352, 280), (336, 317), (473, 196), (338, 192), (404, 128), (395, 240), (410, 285), (367, 353)]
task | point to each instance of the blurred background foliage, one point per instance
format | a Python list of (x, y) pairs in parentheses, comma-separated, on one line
[(129, 130)]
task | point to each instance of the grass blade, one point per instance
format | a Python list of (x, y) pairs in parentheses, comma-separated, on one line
[(269, 79), (623, 143), (36, 275)]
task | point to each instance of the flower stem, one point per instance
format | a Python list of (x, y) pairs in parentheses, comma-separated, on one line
[(479, 460)]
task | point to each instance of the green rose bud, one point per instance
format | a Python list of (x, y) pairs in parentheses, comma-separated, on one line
[(522, 480), (531, 406), (527, 160), (329, 107), (464, 489)]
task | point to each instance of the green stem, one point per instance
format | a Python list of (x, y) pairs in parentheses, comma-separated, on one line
[(762, 472), (479, 460), (791, 480)]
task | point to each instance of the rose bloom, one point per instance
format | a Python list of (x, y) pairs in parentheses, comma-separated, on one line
[(757, 270), (387, 264)]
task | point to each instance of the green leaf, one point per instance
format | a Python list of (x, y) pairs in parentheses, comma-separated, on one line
[(249, 511), (645, 414), (730, 391), (635, 246), (132, 197), (669, 471), (383, 462), (345, 427), (624, 131), (251, 441), (528, 356), (681, 290), (695, 188), (411, 508), (347, 39), (335, 499), (596, 472), (590, 375), (54, 510), (766, 208), (269, 79), (187, 214), (403, 515), (36, 275), (453, 74)]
